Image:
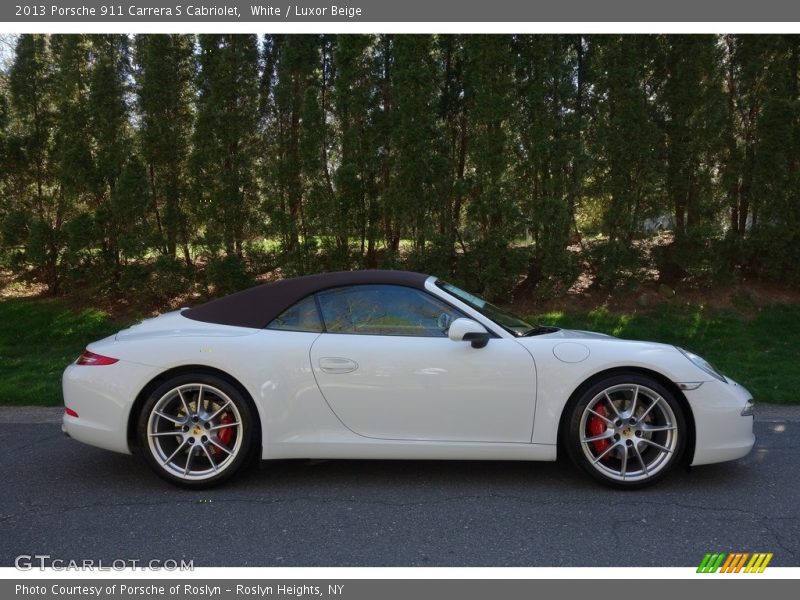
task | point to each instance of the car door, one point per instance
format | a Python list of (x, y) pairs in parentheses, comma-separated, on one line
[(387, 369)]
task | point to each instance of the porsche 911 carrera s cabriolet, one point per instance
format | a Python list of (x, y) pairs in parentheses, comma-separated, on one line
[(394, 365)]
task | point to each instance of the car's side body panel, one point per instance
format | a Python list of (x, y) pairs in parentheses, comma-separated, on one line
[(721, 433), (559, 379), (359, 447), (102, 397), (427, 388), (721, 430), (272, 366)]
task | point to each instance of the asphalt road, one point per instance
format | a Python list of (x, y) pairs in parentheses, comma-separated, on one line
[(71, 501)]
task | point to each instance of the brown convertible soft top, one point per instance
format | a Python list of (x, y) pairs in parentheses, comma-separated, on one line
[(258, 306)]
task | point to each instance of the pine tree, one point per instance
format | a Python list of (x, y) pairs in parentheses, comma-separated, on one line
[(39, 206), (745, 57), (692, 106), (549, 150), (315, 146), (72, 154), (13, 221), (453, 115), (164, 74), (627, 145), (111, 137), (295, 139), (416, 140), (492, 213), (775, 206), (354, 104), (384, 126), (4, 140), (224, 140)]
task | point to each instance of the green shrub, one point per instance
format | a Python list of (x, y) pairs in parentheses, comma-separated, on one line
[(228, 274), (133, 280), (615, 264), (169, 277), (492, 268), (302, 260), (259, 258), (159, 281)]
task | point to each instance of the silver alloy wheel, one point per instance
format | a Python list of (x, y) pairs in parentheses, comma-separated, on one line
[(628, 432), (195, 431)]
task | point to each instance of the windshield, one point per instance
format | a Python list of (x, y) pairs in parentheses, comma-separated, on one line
[(511, 323)]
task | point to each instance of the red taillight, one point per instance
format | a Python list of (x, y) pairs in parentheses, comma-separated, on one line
[(70, 412), (90, 358)]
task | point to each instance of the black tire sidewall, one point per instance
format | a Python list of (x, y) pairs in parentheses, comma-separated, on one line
[(572, 430), (246, 413)]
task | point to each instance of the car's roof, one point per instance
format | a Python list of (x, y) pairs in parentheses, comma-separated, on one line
[(258, 306)]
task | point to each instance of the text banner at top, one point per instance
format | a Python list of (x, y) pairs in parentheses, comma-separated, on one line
[(400, 11)]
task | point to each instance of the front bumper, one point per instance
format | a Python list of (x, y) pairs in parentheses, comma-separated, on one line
[(722, 433), (102, 396)]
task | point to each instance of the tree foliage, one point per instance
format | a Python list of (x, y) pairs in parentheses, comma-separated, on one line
[(164, 86), (137, 164)]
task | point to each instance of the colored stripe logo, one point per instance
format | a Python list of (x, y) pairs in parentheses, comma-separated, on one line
[(735, 562)]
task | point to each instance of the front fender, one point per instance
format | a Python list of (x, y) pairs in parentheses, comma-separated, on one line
[(563, 369)]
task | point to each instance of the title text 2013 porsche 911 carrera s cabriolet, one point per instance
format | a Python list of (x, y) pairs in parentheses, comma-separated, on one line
[(394, 365)]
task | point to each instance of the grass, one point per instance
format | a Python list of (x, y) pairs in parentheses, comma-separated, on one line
[(758, 350), (39, 337)]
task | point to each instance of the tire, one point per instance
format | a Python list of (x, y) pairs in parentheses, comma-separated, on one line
[(627, 431), (191, 448)]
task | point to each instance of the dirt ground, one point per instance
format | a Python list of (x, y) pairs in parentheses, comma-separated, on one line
[(744, 297)]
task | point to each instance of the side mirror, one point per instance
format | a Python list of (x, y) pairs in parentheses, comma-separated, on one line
[(467, 330)]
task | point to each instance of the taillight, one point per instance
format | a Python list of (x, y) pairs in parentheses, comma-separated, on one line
[(70, 412), (90, 358)]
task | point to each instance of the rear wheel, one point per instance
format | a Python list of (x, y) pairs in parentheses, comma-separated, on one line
[(627, 431), (196, 430)]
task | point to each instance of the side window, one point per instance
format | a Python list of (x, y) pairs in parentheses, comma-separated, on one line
[(385, 310), (301, 316)]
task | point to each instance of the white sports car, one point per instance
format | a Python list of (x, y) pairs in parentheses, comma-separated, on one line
[(394, 365)]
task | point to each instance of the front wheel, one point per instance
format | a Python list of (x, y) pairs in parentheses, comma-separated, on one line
[(196, 430), (627, 431)]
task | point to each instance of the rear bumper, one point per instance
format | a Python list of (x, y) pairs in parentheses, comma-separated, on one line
[(722, 433), (102, 396)]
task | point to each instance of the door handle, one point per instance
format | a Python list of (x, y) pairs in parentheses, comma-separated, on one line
[(335, 365)]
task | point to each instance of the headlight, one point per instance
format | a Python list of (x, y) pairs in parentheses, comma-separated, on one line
[(703, 364)]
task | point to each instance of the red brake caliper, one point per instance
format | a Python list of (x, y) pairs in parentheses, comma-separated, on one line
[(596, 426), (225, 435)]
